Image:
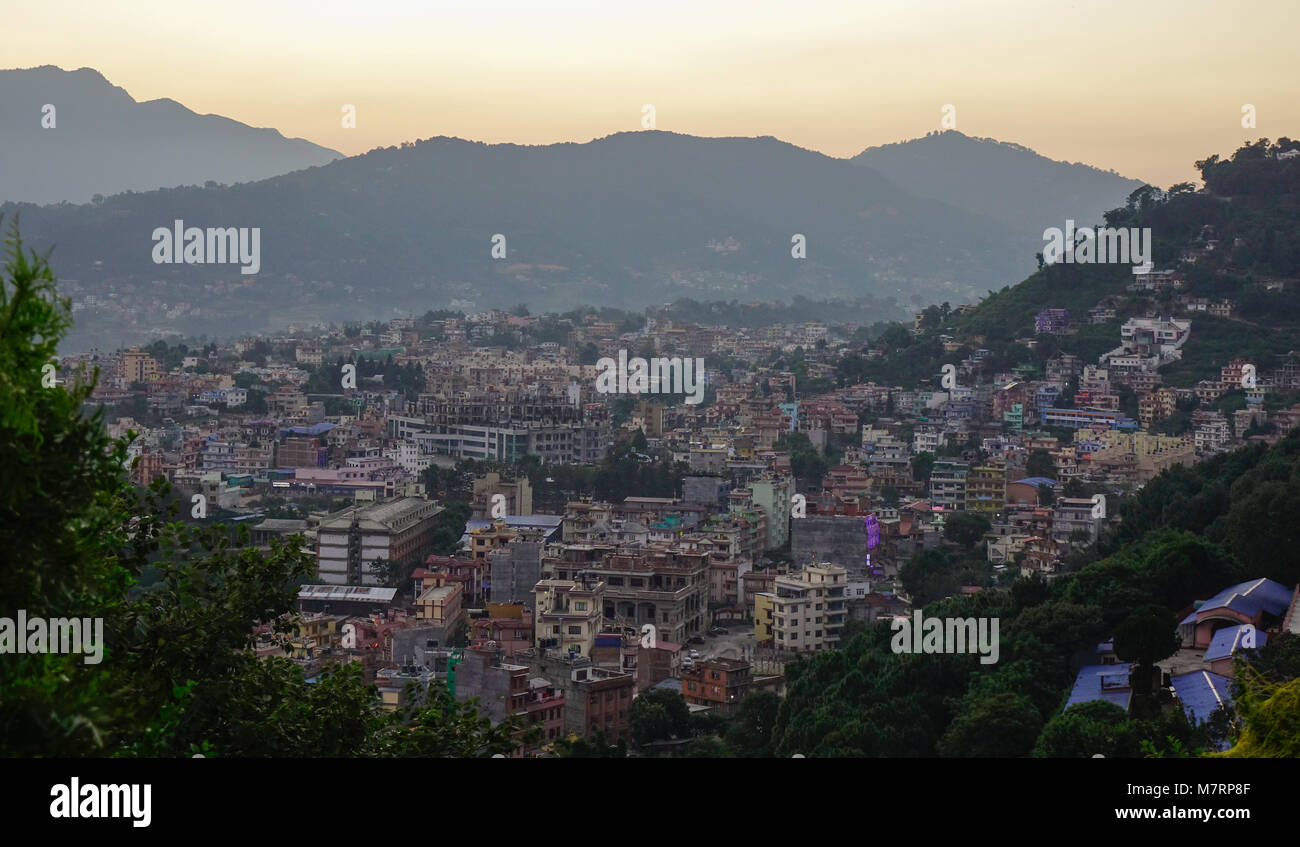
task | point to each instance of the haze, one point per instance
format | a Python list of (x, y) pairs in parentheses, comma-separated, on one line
[(1144, 89)]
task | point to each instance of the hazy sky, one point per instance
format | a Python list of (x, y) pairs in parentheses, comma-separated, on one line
[(1141, 86)]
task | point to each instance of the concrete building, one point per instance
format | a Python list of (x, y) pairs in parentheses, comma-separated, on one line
[(349, 541), (517, 494), (596, 698), (569, 614), (948, 486), (829, 538), (986, 490), (773, 496), (718, 683), (515, 568), (809, 609)]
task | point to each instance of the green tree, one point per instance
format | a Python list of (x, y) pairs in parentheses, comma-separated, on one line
[(965, 528), (750, 733), (997, 724), (1040, 463), (922, 466), (1147, 635), (1083, 731), (659, 715), (928, 576)]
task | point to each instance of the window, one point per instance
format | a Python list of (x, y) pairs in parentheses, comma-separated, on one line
[(582, 607), (575, 630), (555, 629)]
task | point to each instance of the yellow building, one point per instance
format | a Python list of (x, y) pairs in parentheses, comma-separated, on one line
[(763, 605)]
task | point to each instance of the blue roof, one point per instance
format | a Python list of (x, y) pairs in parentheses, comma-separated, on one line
[(314, 429), (1107, 646), (1201, 692), (1250, 598), (1036, 481), (1088, 685), (1190, 619), (1227, 641)]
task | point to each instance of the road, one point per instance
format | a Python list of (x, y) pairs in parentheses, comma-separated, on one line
[(738, 643)]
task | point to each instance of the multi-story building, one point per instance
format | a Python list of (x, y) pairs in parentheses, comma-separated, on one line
[(717, 683), (1052, 320), (350, 540), (986, 489), (1155, 407), (1074, 514), (948, 486), (809, 609), (569, 614), (517, 496), (136, 366), (507, 689), (666, 585), (773, 496), (596, 698)]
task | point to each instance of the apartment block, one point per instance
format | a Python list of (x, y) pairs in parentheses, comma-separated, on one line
[(809, 609)]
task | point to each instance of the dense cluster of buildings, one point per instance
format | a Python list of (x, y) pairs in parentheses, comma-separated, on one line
[(545, 612)]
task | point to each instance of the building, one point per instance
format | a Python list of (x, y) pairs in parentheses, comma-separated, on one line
[(596, 699), (773, 497), (948, 486), (809, 609), (517, 496), (349, 541), (569, 614), (136, 366), (506, 689), (986, 489), (1053, 321), (1103, 682), (1262, 603), (1074, 515), (717, 683)]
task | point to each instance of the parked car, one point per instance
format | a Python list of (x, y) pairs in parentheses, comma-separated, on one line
[(688, 662), (695, 639), (695, 654), (717, 630)]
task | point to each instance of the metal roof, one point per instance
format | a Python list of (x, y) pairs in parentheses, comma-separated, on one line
[(1088, 685), (1250, 598), (1227, 642)]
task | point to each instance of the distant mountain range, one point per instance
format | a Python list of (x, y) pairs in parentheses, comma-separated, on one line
[(630, 220), (98, 140), (1012, 184)]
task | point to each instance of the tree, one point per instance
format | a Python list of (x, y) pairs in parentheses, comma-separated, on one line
[(659, 715), (992, 725), (922, 466), (929, 576), (750, 733), (1082, 731), (1146, 636), (1040, 463), (434, 725), (965, 528)]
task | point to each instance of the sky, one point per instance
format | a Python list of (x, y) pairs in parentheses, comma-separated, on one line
[(1144, 88)]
